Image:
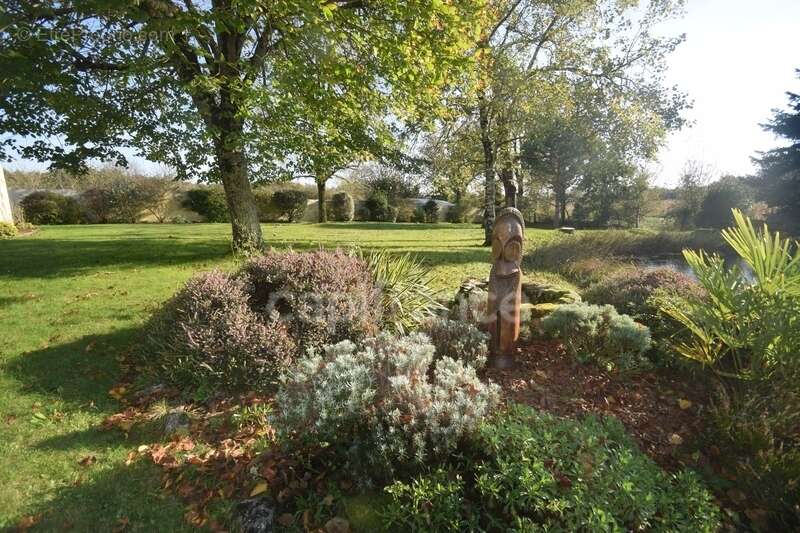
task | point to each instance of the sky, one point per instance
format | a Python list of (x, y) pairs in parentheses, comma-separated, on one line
[(736, 65)]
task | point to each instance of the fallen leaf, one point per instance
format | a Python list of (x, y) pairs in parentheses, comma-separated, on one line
[(90, 346), (28, 522), (684, 404), (258, 489), (675, 439), (337, 525), (121, 525), (117, 392), (89, 460), (143, 448)]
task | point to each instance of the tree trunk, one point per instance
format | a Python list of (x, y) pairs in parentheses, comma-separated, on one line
[(488, 171), (509, 189), (242, 208), (556, 210), (322, 215)]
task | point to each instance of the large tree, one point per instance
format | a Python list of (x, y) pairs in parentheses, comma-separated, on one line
[(532, 51), (201, 85), (780, 167)]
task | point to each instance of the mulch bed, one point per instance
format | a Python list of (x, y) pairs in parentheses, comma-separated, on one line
[(661, 411)]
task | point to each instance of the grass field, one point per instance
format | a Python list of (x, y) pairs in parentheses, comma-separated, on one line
[(72, 300)]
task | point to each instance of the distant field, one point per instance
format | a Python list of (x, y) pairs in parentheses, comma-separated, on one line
[(72, 298)]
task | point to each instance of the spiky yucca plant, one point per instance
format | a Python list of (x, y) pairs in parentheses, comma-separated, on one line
[(407, 295), (744, 330)]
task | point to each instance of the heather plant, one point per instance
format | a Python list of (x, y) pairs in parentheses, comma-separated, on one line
[(630, 290), (379, 407), (530, 471), (322, 297), (459, 340), (406, 292), (207, 337), (599, 333)]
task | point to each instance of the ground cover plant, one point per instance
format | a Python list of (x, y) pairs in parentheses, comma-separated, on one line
[(598, 333), (530, 470)]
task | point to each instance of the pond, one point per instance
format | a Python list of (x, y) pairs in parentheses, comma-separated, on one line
[(679, 264)]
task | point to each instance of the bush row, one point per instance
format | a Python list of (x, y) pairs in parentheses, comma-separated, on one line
[(119, 201)]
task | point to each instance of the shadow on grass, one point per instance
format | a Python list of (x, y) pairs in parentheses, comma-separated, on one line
[(73, 374), (112, 498), (396, 226), (48, 258)]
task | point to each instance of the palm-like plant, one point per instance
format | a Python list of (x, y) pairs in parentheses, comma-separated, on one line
[(742, 329), (407, 296)]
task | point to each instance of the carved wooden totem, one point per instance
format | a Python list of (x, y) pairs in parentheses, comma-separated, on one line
[(505, 286)]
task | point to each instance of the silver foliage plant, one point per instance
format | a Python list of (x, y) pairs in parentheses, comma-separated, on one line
[(379, 406), (457, 339)]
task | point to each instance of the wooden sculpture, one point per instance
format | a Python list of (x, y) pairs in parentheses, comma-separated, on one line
[(505, 286)]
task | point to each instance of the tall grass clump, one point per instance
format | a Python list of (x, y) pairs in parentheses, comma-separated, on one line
[(405, 284), (591, 256)]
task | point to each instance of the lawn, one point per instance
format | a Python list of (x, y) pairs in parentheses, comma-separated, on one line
[(72, 301)]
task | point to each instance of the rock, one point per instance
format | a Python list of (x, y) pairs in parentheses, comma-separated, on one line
[(255, 515), (337, 525), (542, 293), (471, 301), (151, 391), (177, 421)]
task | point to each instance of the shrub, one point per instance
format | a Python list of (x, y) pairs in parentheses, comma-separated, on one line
[(404, 282), (208, 202), (45, 207), (591, 332), (341, 208), (378, 406), (457, 213), (99, 205), (432, 502), (748, 330), (640, 293), (749, 334), (405, 212), (758, 427), (629, 291), (123, 200), (208, 337), (323, 297), (377, 208), (289, 204), (419, 215), (537, 472), (721, 197), (431, 209), (7, 230), (458, 340)]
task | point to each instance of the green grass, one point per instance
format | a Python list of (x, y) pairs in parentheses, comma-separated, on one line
[(73, 299)]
